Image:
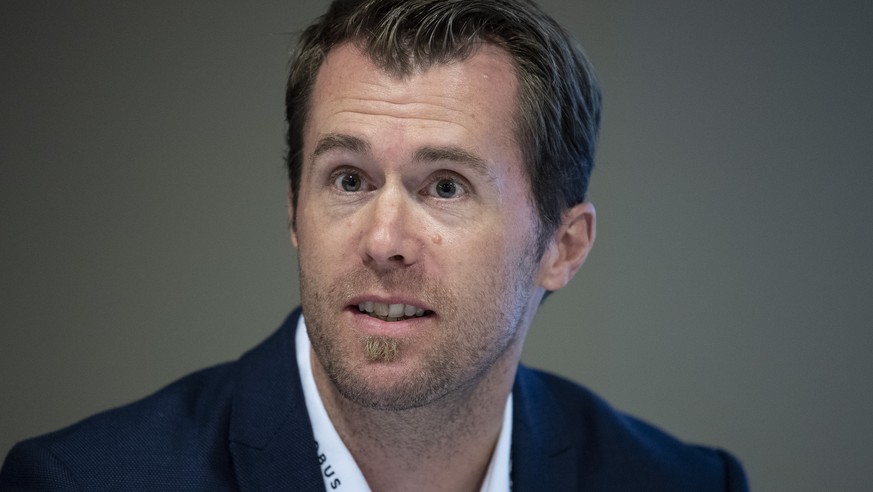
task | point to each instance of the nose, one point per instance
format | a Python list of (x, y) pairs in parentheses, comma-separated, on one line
[(388, 238)]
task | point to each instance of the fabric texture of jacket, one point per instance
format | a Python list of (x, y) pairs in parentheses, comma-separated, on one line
[(243, 426)]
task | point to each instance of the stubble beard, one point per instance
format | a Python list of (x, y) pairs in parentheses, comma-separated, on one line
[(473, 334)]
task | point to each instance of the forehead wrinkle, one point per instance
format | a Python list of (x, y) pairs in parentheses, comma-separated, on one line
[(428, 107)]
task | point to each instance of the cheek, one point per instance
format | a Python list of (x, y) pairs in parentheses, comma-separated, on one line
[(319, 235), (478, 258)]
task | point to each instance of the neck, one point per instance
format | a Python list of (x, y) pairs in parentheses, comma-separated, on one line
[(446, 445)]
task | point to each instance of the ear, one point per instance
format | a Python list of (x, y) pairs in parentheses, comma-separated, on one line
[(569, 247), (291, 222)]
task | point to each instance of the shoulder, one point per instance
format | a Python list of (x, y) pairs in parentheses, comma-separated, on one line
[(181, 437), (615, 451), (179, 429)]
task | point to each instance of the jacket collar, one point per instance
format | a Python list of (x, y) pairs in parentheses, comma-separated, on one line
[(542, 452), (271, 439)]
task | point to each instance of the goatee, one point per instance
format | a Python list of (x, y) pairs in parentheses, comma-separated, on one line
[(381, 349)]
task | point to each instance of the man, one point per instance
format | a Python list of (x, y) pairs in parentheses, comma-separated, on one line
[(439, 154)]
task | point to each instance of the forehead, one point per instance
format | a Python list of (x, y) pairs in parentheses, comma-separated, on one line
[(470, 102)]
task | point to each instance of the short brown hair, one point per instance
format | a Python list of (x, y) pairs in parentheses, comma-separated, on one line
[(558, 97)]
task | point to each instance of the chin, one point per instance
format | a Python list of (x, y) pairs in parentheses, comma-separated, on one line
[(400, 384)]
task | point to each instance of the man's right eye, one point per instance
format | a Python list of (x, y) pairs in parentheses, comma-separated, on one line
[(348, 182)]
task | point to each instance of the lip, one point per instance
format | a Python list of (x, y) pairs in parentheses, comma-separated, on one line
[(368, 325), (354, 301)]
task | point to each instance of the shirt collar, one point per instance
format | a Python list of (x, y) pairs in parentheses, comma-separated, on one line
[(339, 469)]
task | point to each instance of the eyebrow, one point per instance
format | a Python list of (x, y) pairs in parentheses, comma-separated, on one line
[(456, 155), (341, 141)]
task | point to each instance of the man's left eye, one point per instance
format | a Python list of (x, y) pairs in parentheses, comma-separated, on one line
[(445, 188)]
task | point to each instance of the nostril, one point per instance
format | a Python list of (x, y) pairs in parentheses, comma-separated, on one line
[(396, 258)]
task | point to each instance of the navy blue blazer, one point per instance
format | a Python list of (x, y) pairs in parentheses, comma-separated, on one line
[(243, 426)]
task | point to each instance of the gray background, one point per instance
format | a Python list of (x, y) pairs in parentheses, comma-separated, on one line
[(142, 210)]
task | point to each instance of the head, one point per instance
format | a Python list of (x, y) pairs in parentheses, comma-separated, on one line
[(439, 153), (557, 101)]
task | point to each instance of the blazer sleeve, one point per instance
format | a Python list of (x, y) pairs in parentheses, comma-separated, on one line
[(32, 467), (735, 477)]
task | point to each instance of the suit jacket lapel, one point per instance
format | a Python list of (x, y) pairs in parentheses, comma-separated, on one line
[(271, 439), (543, 457), (273, 447)]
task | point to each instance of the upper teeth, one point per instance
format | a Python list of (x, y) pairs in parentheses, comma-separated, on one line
[(390, 310)]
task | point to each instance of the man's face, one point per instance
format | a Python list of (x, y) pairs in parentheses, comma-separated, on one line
[(415, 229)]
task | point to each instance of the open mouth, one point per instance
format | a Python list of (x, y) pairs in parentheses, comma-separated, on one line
[(391, 312)]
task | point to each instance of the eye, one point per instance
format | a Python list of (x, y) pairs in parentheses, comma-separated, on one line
[(348, 181), (446, 188)]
